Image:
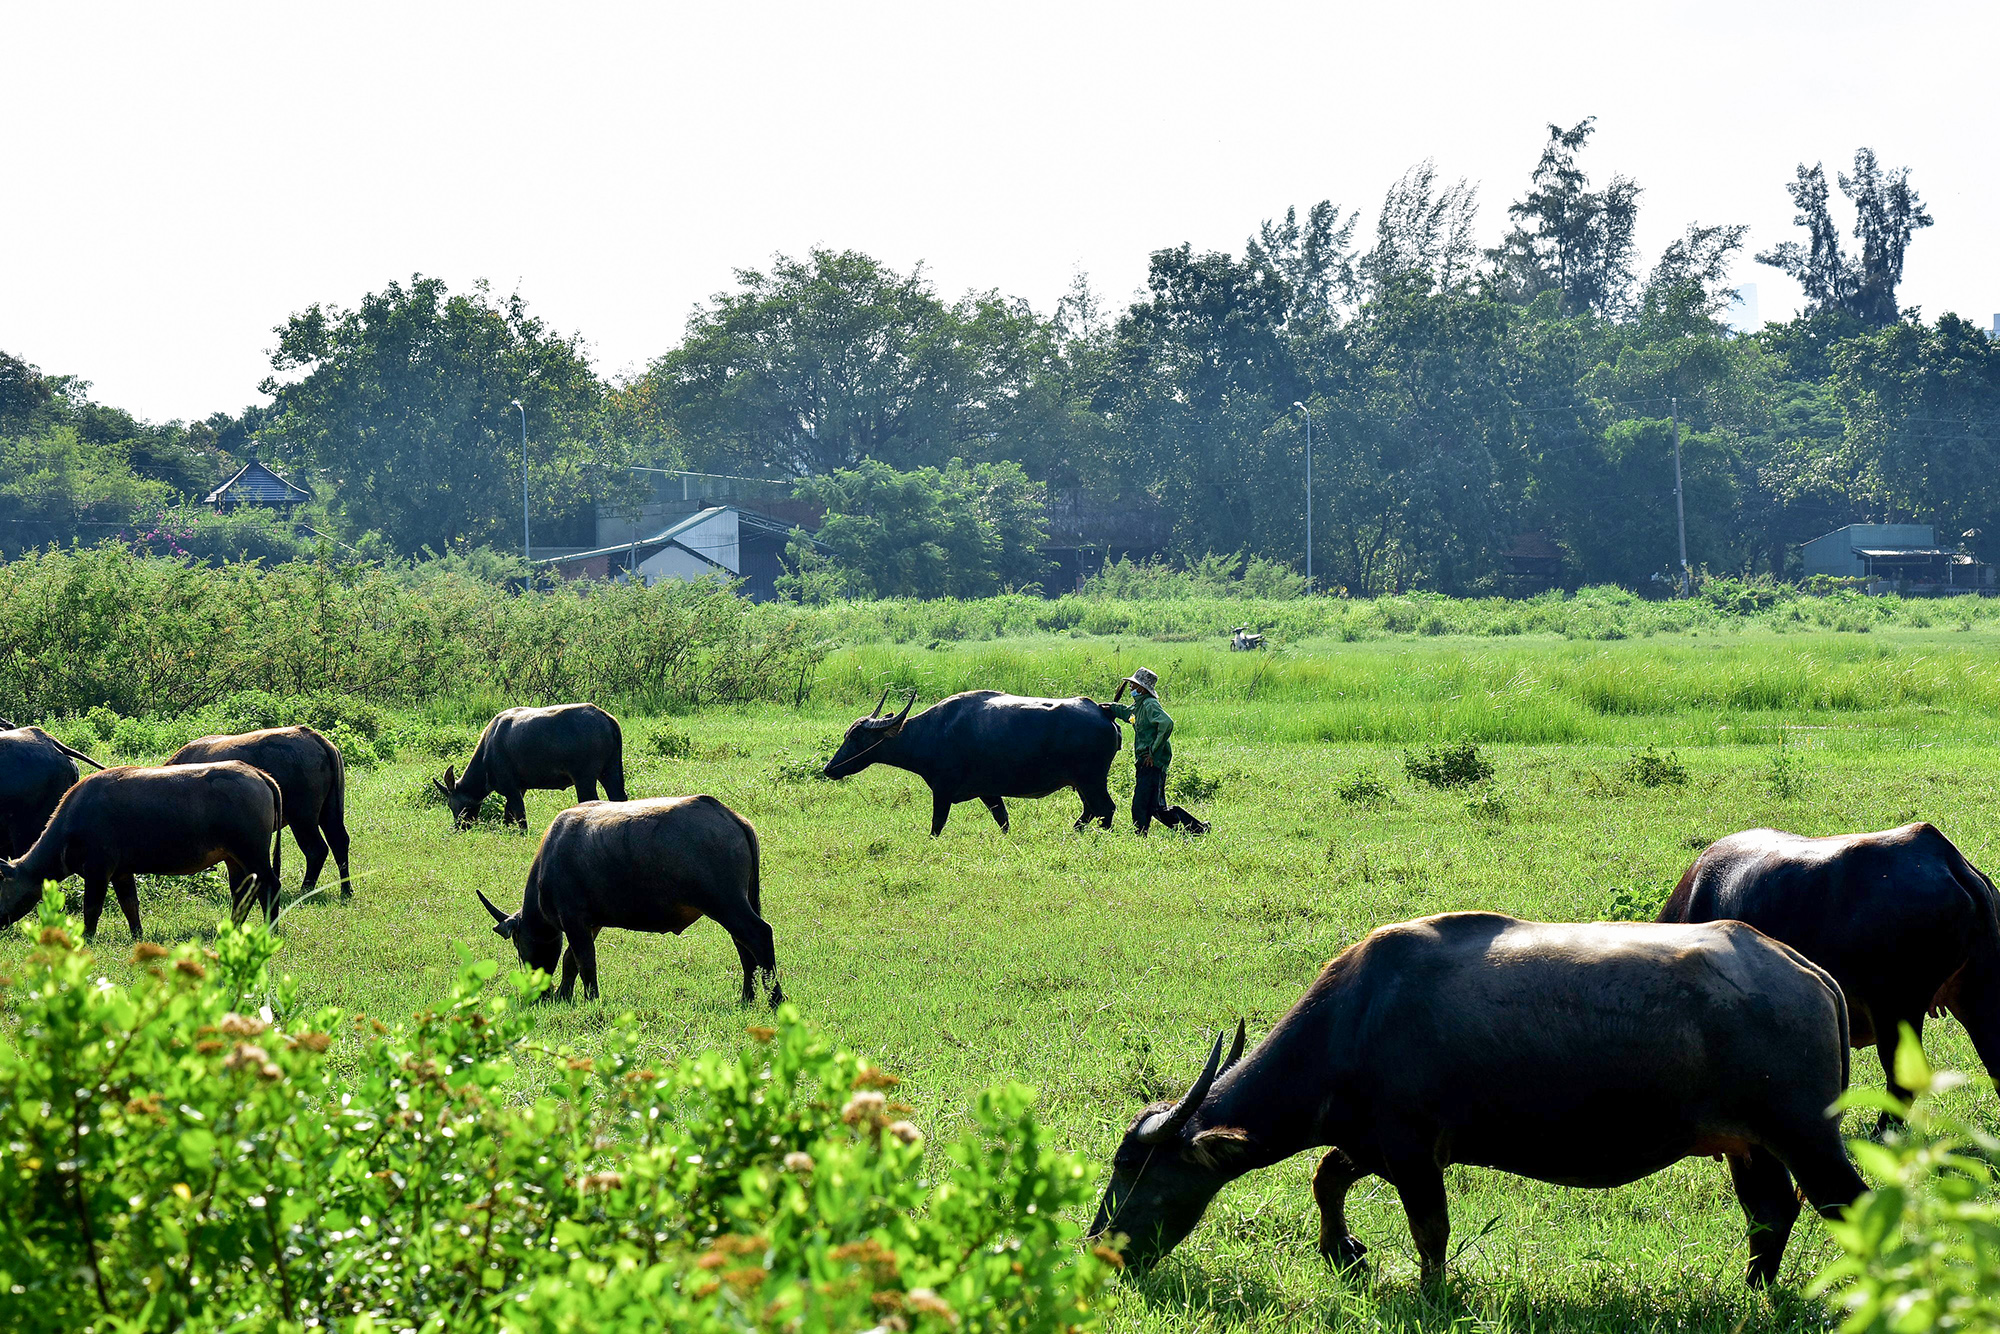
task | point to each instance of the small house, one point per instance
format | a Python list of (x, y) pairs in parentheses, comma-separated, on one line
[(256, 484), (1895, 558)]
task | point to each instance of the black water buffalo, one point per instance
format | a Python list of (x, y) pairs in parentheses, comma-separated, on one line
[(312, 776), (1900, 918), (35, 770), (988, 745), (1585, 1055), (661, 864), (130, 821), (567, 745)]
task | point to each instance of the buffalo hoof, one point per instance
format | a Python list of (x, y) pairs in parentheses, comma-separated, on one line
[(1345, 1254)]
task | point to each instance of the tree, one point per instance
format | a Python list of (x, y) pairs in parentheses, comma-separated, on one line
[(1692, 275), (405, 409), (967, 530), (1887, 213), (1567, 237), (1423, 229)]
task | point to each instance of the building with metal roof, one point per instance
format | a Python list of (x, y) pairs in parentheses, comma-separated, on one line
[(1895, 558), (256, 484), (720, 541)]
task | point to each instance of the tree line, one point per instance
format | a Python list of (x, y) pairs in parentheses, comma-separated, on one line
[(1459, 398)]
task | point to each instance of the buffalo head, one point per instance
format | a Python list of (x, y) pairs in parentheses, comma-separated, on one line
[(1166, 1170), (464, 808), (19, 894), (538, 949), (864, 736)]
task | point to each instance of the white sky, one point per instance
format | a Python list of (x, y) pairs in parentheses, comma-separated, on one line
[(182, 177)]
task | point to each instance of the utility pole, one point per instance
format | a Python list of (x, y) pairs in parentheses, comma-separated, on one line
[(1680, 505), (526, 550), (1309, 492)]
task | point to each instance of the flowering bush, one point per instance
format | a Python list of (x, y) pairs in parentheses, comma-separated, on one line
[(184, 1156)]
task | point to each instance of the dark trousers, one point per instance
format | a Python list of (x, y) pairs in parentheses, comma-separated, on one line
[(1149, 801)]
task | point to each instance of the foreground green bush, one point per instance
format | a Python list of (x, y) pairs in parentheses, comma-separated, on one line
[(177, 1157), (1922, 1249)]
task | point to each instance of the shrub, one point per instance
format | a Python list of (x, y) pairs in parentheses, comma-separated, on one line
[(179, 1156), (670, 743), (807, 768), (1489, 803), (102, 721), (356, 750), (1448, 764), (133, 737), (1787, 775), (1362, 788), (1189, 782), (1632, 905), (1922, 1249), (1649, 768)]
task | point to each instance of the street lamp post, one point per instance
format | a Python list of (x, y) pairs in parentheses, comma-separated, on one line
[(526, 550), (1309, 492)]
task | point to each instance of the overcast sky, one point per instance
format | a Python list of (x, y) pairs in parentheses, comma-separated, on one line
[(184, 176)]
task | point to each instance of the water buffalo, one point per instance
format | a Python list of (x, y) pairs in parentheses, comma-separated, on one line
[(567, 745), (312, 776), (35, 770), (661, 864), (1585, 1055), (130, 821), (1900, 918), (988, 745)]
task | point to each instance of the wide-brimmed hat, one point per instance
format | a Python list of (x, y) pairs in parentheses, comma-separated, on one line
[(1145, 679)]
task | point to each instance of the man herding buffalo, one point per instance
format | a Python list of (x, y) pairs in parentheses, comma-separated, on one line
[(1152, 733)]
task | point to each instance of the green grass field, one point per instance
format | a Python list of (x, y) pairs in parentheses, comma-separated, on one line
[(1097, 967)]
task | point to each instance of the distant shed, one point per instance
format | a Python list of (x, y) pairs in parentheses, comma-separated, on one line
[(1895, 558), (722, 541)]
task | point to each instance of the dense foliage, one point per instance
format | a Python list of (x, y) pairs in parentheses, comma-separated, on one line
[(1460, 401), (186, 1155)]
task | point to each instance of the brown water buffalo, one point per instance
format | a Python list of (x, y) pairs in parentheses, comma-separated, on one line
[(130, 821), (1585, 1055), (656, 865), (1900, 918), (566, 745), (35, 770), (313, 778)]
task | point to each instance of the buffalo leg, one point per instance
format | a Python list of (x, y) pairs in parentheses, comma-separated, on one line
[(128, 900), (586, 789), (613, 778), (757, 949), (940, 812), (1098, 804), (567, 989), (1888, 1034), (93, 901), (1336, 1175), (583, 953), (1421, 1185), (1977, 1006), (334, 827), (1770, 1207), (999, 809), (305, 831), (515, 810)]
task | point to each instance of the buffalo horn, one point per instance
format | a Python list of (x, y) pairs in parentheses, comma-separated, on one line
[(1163, 1126), (908, 704), (498, 916), (876, 712), (1235, 1050)]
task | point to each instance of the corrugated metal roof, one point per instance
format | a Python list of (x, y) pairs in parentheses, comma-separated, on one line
[(256, 484), (1879, 553)]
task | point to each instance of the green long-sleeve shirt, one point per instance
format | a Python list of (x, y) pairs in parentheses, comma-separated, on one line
[(1151, 728)]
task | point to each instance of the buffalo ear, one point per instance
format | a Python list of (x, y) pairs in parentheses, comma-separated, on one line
[(504, 928), (450, 776), (1219, 1146)]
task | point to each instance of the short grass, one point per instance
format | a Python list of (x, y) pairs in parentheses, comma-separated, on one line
[(1097, 967)]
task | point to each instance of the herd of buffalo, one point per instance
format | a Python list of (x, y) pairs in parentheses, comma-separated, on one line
[(1582, 1054)]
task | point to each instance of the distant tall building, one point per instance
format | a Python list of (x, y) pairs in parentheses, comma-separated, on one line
[(1742, 313), (1994, 332)]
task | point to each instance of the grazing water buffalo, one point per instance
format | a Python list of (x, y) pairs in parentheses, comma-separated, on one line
[(35, 770), (661, 864), (567, 745), (988, 745), (1587, 1055), (312, 776), (1900, 918), (129, 821)]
